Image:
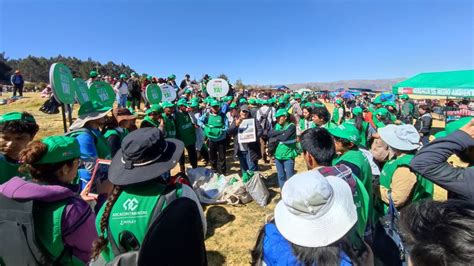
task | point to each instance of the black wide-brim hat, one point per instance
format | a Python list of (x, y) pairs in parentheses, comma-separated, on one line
[(145, 155)]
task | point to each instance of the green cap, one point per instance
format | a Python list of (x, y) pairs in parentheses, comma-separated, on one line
[(123, 76), (242, 101), (92, 107), (154, 108), (456, 125), (404, 97), (194, 104), (233, 105), (281, 112), (297, 96), (182, 102), (188, 91), (172, 76), (134, 74), (149, 78), (208, 99), (60, 149), (16, 116), (168, 105), (93, 74), (252, 101), (381, 112), (214, 102), (319, 105), (308, 105), (377, 100), (339, 101), (393, 104), (346, 131), (357, 111)]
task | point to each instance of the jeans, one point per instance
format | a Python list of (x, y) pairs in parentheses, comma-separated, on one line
[(245, 162), (217, 155), (122, 100), (285, 170), (135, 100), (192, 154)]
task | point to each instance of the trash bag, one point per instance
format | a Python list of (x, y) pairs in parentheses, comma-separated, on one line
[(236, 193), (199, 176), (257, 189)]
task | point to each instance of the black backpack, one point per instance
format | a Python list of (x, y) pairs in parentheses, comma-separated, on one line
[(266, 125), (174, 237), (19, 244)]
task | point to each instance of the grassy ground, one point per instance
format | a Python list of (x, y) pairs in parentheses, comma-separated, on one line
[(232, 230)]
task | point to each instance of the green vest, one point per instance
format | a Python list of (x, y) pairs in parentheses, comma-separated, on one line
[(115, 132), (8, 170), (305, 124), (423, 187), (48, 224), (362, 132), (328, 125), (407, 109), (101, 145), (286, 150), (213, 127), (151, 121), (186, 131), (335, 115), (132, 211), (170, 127), (362, 200)]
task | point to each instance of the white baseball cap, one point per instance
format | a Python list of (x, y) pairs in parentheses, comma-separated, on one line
[(315, 211)]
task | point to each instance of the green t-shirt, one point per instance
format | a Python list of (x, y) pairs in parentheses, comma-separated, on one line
[(185, 130), (286, 150)]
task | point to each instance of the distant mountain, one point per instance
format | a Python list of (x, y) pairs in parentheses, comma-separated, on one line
[(375, 84)]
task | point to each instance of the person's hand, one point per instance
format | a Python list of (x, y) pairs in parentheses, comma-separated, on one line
[(86, 196), (376, 135), (367, 258), (469, 128), (238, 121)]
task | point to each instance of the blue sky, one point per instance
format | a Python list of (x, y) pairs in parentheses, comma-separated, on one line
[(265, 42)]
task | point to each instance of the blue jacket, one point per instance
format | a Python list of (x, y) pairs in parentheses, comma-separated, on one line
[(17, 80), (277, 250)]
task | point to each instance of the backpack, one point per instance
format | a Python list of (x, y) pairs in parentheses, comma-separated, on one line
[(266, 125), (163, 243), (17, 225)]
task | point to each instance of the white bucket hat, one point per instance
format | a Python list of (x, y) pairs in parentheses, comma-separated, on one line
[(401, 137), (315, 211)]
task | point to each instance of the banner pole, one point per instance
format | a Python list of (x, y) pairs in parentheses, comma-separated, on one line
[(69, 114), (63, 113)]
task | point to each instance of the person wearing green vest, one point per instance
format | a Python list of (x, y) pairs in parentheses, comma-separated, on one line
[(407, 110), (346, 140), (63, 221), (392, 110), (382, 118), (286, 151), (140, 191), (169, 120), (186, 132), (397, 180), (215, 125), (318, 152), (376, 105), (93, 145), (321, 117), (152, 117), (117, 127), (306, 121), (16, 131), (364, 128), (338, 112)]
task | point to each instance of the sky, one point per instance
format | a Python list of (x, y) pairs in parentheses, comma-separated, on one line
[(257, 41)]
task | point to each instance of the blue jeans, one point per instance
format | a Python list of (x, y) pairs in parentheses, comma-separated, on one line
[(285, 170), (122, 100), (245, 162)]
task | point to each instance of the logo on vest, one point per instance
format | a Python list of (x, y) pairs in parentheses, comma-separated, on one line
[(130, 204)]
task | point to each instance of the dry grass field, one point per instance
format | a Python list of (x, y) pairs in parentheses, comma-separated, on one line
[(232, 230)]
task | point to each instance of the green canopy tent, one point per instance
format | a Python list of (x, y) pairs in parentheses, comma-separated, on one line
[(449, 84)]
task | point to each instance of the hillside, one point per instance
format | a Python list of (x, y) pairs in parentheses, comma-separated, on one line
[(375, 84)]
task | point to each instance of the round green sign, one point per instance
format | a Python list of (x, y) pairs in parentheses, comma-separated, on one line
[(82, 91), (64, 88), (101, 91), (153, 93)]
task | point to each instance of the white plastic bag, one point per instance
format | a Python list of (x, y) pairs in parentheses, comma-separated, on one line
[(257, 189)]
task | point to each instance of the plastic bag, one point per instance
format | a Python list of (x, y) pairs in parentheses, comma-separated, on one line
[(199, 176), (257, 189), (236, 193)]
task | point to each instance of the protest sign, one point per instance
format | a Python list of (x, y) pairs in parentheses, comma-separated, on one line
[(82, 91), (217, 88), (101, 91), (247, 131), (153, 93), (168, 93), (64, 88)]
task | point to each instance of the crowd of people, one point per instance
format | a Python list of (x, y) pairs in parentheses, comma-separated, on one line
[(371, 165)]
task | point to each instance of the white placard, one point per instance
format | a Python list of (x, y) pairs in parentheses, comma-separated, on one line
[(168, 93), (247, 131), (217, 88)]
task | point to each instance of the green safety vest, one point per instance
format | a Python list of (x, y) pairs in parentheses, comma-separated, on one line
[(170, 127), (362, 132), (213, 127), (407, 109), (132, 212), (8, 170), (423, 187), (48, 224), (151, 121), (115, 132), (335, 115), (305, 124), (286, 150), (186, 131), (101, 145)]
